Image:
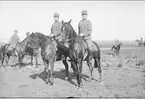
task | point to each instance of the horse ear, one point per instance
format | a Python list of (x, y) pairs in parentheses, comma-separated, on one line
[(62, 22), (69, 21)]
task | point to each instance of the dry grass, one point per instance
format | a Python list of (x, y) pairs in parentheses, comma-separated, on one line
[(123, 76)]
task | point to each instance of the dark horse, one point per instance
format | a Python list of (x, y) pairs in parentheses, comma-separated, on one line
[(116, 49), (48, 52), (78, 50), (23, 49), (5, 53), (62, 53)]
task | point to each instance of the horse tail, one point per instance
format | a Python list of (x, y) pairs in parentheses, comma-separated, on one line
[(97, 47), (97, 59)]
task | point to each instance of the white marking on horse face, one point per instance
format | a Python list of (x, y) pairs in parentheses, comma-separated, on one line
[(63, 28)]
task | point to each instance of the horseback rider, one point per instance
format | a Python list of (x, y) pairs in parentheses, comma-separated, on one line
[(116, 42), (85, 29), (56, 28), (14, 39)]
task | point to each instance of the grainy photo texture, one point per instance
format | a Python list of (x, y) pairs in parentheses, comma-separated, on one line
[(72, 49)]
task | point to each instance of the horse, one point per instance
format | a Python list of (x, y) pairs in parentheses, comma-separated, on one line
[(116, 49), (48, 52), (23, 49), (80, 53), (6, 52), (62, 53), (140, 43)]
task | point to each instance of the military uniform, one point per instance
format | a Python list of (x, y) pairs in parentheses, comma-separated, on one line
[(14, 39), (85, 27), (116, 42), (56, 29)]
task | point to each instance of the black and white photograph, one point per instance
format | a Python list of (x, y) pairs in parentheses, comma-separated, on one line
[(72, 49)]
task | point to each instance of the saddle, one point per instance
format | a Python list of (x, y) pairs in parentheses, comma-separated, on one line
[(85, 44), (87, 51)]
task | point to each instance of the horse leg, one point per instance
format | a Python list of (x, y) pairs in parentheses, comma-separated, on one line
[(115, 52), (2, 63), (89, 63), (77, 74), (99, 69), (21, 60), (72, 66), (51, 63), (7, 59), (80, 71), (31, 59), (47, 71), (66, 67), (36, 61)]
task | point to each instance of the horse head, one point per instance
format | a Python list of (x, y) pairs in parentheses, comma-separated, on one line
[(37, 40), (67, 30)]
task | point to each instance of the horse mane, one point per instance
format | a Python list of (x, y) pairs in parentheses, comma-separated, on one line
[(72, 32), (42, 36), (22, 43), (42, 40)]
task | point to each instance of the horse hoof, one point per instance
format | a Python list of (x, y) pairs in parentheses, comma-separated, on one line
[(81, 84), (101, 83), (66, 78), (51, 84), (89, 80), (80, 89)]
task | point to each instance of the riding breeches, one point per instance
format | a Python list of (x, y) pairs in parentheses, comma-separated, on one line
[(89, 42)]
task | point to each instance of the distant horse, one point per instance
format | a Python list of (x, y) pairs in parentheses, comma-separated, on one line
[(116, 49), (23, 49), (79, 52), (5, 53), (48, 52), (140, 43)]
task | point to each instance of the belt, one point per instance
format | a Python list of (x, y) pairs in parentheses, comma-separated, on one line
[(87, 35)]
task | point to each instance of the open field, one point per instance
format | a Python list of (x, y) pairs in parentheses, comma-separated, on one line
[(122, 76)]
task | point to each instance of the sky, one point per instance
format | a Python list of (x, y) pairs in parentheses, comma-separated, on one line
[(124, 20)]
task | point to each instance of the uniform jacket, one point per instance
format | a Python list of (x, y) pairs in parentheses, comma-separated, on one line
[(14, 39), (85, 27), (56, 28)]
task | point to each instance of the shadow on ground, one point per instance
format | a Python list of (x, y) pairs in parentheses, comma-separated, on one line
[(60, 75), (22, 64)]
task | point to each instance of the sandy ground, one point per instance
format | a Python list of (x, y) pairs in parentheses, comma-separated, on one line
[(122, 76)]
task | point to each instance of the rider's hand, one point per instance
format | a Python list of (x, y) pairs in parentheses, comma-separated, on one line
[(81, 34), (51, 35)]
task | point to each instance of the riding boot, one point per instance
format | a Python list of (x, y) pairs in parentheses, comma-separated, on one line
[(89, 53)]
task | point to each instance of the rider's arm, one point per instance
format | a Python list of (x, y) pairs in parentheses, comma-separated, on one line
[(51, 34), (79, 29), (89, 27)]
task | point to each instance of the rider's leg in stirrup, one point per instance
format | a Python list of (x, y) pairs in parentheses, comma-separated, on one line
[(89, 43)]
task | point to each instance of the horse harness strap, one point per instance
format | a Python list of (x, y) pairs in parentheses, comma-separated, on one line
[(57, 35)]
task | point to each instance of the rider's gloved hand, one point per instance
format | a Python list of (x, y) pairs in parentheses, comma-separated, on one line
[(81, 34), (51, 35)]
